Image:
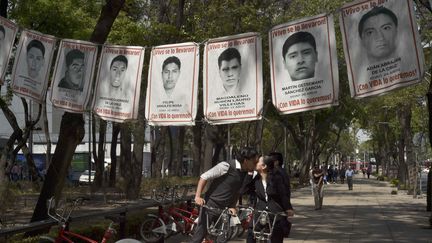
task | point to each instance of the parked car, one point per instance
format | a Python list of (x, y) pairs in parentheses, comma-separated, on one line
[(84, 177)]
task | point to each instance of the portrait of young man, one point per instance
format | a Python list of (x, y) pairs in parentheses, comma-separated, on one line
[(170, 74), (35, 58), (75, 69), (300, 55), (378, 33), (117, 74), (229, 63)]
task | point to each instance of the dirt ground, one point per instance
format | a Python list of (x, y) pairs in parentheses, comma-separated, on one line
[(22, 207)]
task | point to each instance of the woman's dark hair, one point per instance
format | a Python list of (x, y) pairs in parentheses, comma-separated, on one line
[(269, 161)]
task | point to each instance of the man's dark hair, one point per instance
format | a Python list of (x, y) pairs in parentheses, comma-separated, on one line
[(2, 29), (374, 12), (72, 55), (298, 37), (246, 153), (36, 44), (171, 59), (277, 156), (119, 58), (228, 55)]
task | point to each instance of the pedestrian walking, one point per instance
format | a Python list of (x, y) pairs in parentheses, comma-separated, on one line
[(349, 174), (318, 186), (335, 175), (342, 175), (369, 170)]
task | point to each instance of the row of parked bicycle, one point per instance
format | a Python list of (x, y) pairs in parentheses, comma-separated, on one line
[(178, 215), (175, 215)]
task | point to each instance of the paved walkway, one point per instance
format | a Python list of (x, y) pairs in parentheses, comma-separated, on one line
[(369, 213)]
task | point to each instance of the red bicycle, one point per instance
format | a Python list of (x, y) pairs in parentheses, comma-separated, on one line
[(63, 219), (169, 220)]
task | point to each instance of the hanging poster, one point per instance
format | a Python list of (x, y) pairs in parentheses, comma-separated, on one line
[(118, 83), (382, 46), (8, 31), (303, 61), (73, 75), (173, 85), (233, 79), (32, 65)]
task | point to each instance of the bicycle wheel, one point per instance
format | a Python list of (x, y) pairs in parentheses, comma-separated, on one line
[(150, 230)]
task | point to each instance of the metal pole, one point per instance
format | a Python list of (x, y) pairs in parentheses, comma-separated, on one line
[(30, 138), (229, 143), (285, 149), (89, 145)]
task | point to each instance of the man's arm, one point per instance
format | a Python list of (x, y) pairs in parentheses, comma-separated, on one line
[(200, 187), (217, 171)]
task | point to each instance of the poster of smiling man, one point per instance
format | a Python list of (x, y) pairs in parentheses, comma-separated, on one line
[(118, 83), (303, 64), (233, 79), (382, 46), (73, 75), (173, 85), (32, 65), (8, 31)]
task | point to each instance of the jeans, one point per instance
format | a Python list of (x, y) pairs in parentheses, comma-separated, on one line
[(318, 191), (350, 182)]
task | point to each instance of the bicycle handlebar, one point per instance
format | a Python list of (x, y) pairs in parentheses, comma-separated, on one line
[(269, 212)]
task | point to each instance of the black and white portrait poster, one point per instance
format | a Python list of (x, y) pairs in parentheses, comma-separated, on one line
[(173, 85), (118, 83), (32, 65), (382, 46), (303, 64), (233, 79), (8, 31), (73, 75)]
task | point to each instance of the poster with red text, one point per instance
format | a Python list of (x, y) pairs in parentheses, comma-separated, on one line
[(303, 65), (382, 46), (233, 79), (32, 65), (173, 85), (8, 31), (73, 75), (118, 83)]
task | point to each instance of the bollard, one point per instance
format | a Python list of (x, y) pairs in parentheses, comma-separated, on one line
[(122, 225)]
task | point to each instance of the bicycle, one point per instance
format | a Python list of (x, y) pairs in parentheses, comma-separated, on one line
[(222, 229), (263, 224), (170, 221), (64, 219), (245, 215)]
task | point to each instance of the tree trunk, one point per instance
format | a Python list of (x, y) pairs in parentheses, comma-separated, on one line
[(180, 141), (180, 14), (210, 132), (71, 134), (113, 154), (99, 154), (197, 145), (72, 125), (126, 163)]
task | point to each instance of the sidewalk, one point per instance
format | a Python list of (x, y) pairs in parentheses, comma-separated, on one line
[(369, 213)]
